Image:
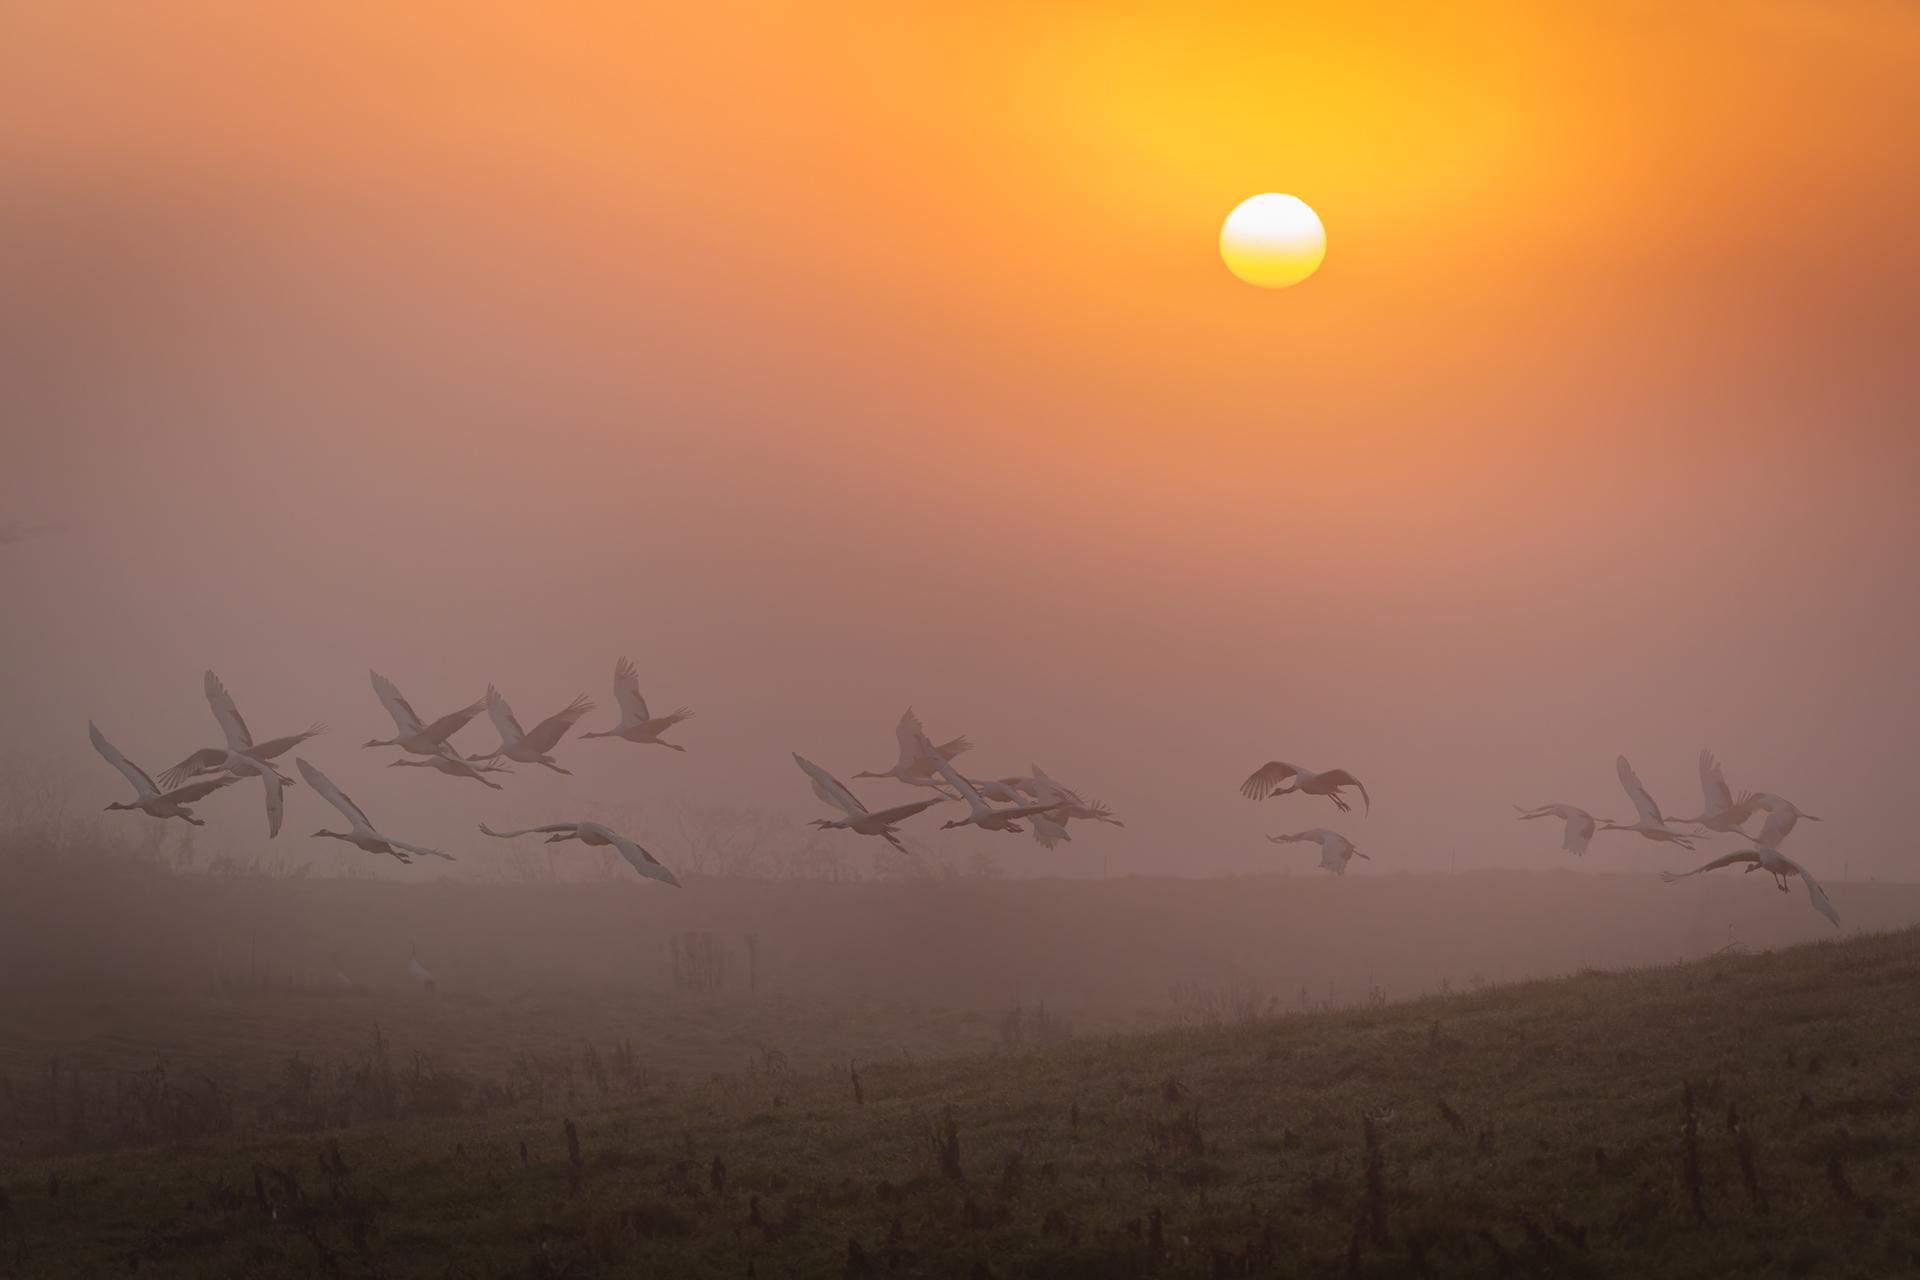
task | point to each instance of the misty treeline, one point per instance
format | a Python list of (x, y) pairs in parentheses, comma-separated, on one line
[(46, 826)]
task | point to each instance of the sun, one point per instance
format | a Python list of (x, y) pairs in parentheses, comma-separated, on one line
[(1273, 240)]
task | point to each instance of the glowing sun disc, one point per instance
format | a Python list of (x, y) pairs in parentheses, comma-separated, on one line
[(1273, 240)]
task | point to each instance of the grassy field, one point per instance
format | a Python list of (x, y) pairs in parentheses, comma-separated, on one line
[(1747, 1115)]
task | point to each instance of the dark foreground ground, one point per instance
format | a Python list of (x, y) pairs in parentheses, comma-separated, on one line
[(1749, 1115)]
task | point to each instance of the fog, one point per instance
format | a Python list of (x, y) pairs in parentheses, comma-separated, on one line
[(466, 379)]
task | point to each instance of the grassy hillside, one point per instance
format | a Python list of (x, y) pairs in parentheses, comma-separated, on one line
[(1749, 1115)]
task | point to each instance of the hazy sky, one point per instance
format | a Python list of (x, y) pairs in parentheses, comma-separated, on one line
[(832, 360)]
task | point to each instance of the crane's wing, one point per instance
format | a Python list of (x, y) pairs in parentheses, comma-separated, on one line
[(1048, 832), (276, 796), (910, 736), (418, 850), (333, 795), (547, 734), (953, 747), (944, 767), (1782, 817), (1649, 811), (998, 789), (552, 828), (199, 762), (626, 691), (1580, 829), (1713, 784), (1267, 779), (1046, 787), (502, 716), (1743, 808), (1027, 810), (131, 771), (830, 789), (1724, 860), (280, 746), (901, 812), (199, 790), (405, 718), (1815, 894), (1341, 778), (641, 860), (228, 715), (454, 721), (1334, 857)]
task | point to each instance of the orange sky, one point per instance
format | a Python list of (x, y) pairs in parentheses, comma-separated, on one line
[(730, 314)]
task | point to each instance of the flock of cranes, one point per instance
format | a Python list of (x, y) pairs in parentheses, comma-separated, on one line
[(1721, 812), (210, 768), (1044, 804), (1047, 805), (1033, 803)]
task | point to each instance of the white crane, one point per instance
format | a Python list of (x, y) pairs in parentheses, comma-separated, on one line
[(239, 741), (1070, 803), (1049, 831), (1652, 823), (1002, 790), (412, 734), (272, 782), (454, 766), (637, 724), (1335, 849), (917, 763), (532, 748), (979, 812), (1719, 810), (362, 833), (1782, 817), (1271, 779), (596, 835), (857, 817), (1774, 862), (1580, 825), (1050, 828), (149, 799)]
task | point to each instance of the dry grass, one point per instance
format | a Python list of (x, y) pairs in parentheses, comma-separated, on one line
[(1528, 1130)]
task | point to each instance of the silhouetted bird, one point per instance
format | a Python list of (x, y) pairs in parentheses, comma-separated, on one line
[(1778, 865), (149, 799), (1271, 779), (362, 833), (596, 835), (1335, 849), (637, 724), (857, 817)]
